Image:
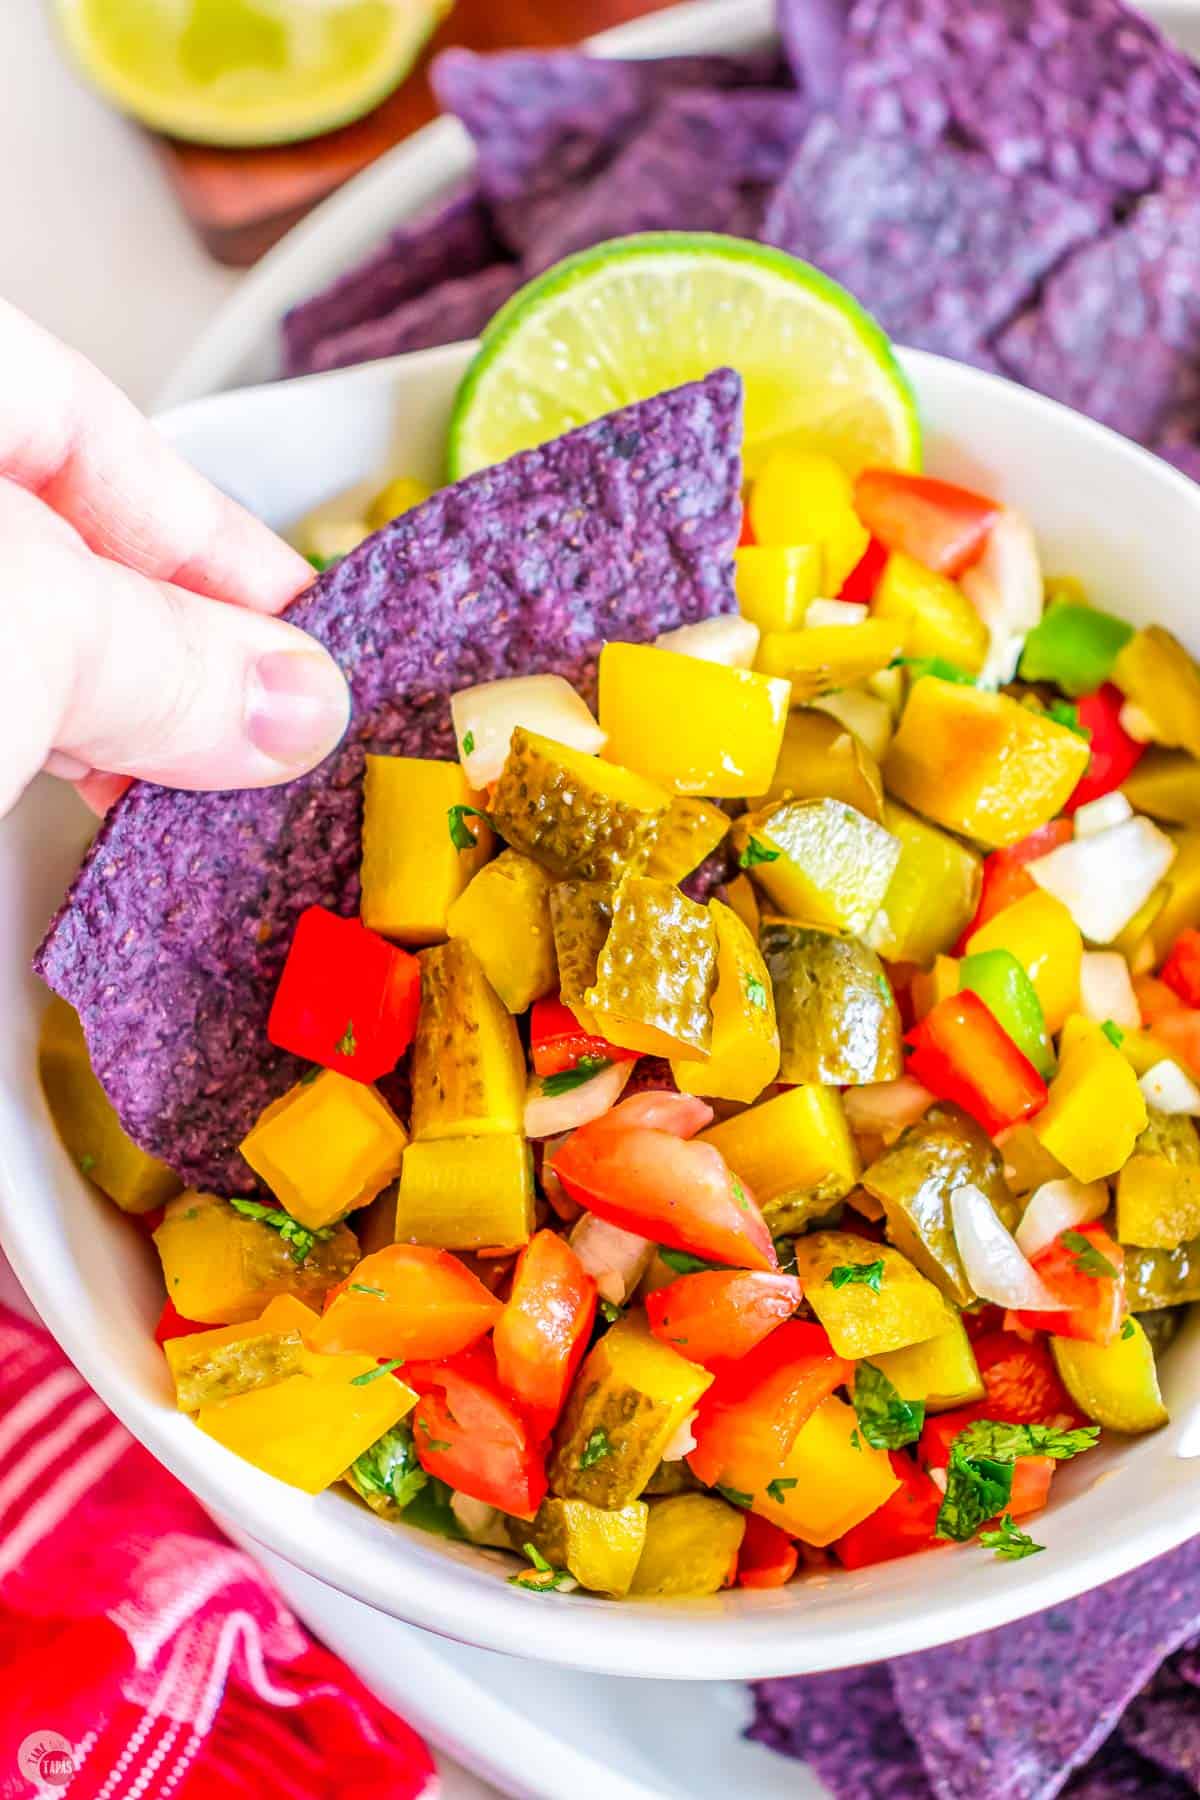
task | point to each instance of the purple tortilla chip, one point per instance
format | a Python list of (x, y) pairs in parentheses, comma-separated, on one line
[(931, 239), (1087, 93), (704, 162), (171, 940), (1119, 1773), (448, 312), (455, 240), (814, 39), (848, 1727), (545, 121), (1163, 1724), (1116, 331), (1183, 454)]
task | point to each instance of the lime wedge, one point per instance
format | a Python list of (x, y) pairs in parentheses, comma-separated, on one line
[(641, 314), (246, 71)]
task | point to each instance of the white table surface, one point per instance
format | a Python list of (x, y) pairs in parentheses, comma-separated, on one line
[(93, 246)]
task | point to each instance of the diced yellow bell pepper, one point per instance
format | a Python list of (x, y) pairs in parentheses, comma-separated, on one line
[(777, 583), (222, 1267), (741, 898), (580, 816), (601, 1548), (822, 862), (860, 1319), (468, 1068), (820, 658), (1044, 938), (655, 974), (745, 1037), (466, 1193), (212, 1365), (1115, 1384), (794, 1152), (692, 1542), (820, 759), (829, 1481), (938, 618), (307, 1429), (397, 496), (1183, 895), (692, 726), (981, 764), (504, 915), (580, 917), (1095, 1111), (688, 831), (1156, 673), (931, 985), (411, 870), (326, 1146), (932, 895), (87, 1123), (941, 1372), (804, 497)]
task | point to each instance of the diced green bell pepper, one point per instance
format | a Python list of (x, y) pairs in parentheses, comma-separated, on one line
[(1006, 990), (1075, 646)]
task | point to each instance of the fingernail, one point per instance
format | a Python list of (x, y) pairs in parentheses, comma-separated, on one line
[(297, 706)]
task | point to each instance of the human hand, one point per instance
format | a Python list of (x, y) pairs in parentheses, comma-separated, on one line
[(136, 636)]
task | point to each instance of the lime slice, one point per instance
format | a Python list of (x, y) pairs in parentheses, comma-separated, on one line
[(246, 71), (641, 314)]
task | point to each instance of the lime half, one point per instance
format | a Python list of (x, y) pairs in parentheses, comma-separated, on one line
[(641, 314), (246, 71)]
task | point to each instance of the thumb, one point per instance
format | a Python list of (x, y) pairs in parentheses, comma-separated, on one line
[(119, 672)]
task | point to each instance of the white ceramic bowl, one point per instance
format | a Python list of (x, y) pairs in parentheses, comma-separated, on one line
[(1123, 522)]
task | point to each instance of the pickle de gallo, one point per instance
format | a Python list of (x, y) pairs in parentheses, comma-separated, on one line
[(746, 1096)]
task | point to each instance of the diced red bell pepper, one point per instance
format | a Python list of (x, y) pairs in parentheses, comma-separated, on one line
[(558, 1041), (172, 1324), (981, 1319), (767, 1558), (470, 1433), (1022, 1382), (902, 1526), (719, 1315), (1176, 1026), (541, 1335), (1155, 999), (1181, 971), (746, 538), (1090, 1276), (960, 1053), (941, 525), (1006, 879), (860, 584), (1031, 1474), (748, 1420), (347, 999), (1114, 753)]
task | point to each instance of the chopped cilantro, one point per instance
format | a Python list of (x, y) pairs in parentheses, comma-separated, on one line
[(684, 1263), (468, 743), (389, 1469), (461, 834), (1088, 1259), (887, 1421), (321, 563), (785, 1255), (543, 1577), (87, 1163), (1113, 1033), (885, 989), (430, 1510), (596, 1449), (384, 1368), (1009, 1542), (609, 1310), (777, 1488), (1065, 712), (756, 992), (1127, 1329), (300, 1237), (308, 1077), (939, 666), (567, 1079), (347, 1044), (756, 852), (861, 1274), (979, 1474), (735, 1497), (432, 1443), (739, 1194), (363, 1287), (855, 1439)]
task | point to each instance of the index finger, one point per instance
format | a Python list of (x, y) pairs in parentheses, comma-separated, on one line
[(71, 437)]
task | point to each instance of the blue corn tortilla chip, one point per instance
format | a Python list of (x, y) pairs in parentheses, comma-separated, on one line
[(814, 40), (1116, 331), (443, 315), (703, 162), (847, 1727), (941, 248), (1163, 1725), (1119, 1773), (454, 240), (171, 940)]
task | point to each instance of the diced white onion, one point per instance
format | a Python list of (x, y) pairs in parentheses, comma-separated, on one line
[(836, 612), (481, 1523), (1135, 723), (886, 1108), (1103, 880), (997, 1268), (616, 1259), (1170, 1088), (866, 715), (729, 639), (548, 1114), (681, 1441), (1060, 1206), (486, 716), (1099, 815), (1001, 662), (1106, 990), (1006, 589)]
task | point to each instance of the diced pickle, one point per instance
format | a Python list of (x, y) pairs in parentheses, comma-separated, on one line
[(1155, 1278), (745, 1037), (838, 1022), (830, 1479), (1183, 894), (1156, 673), (1165, 784), (468, 1068), (932, 895), (1162, 1327), (1027, 1162), (656, 972), (504, 915), (222, 1267), (631, 1394), (821, 759), (575, 814), (580, 918), (794, 1152), (598, 1546), (822, 862), (820, 658), (687, 832), (87, 1123), (692, 1541), (211, 1365), (1158, 1189), (915, 1179), (1115, 1384), (466, 1193), (411, 870), (671, 1478), (325, 1147), (941, 1372), (864, 1318)]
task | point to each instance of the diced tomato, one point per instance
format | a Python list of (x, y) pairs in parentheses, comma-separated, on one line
[(406, 1300), (1031, 1474), (902, 1526), (1155, 999), (172, 1324), (960, 1053), (647, 1180), (1181, 971), (746, 533), (1021, 1380), (979, 1320), (1080, 1273), (860, 584), (659, 1109), (1114, 753), (1006, 878), (719, 1315), (558, 1041), (941, 525), (748, 1420), (347, 999), (541, 1335), (468, 1432), (1180, 1032), (149, 1222), (767, 1558)]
